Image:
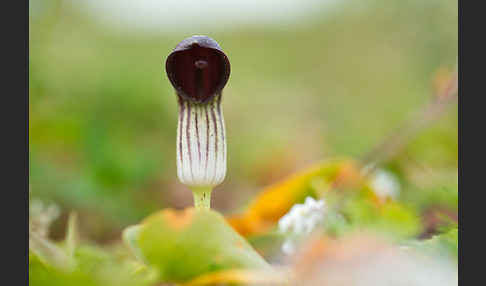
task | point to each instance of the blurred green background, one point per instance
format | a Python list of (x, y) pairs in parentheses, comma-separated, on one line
[(333, 80)]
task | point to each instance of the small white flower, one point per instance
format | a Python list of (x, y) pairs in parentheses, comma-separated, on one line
[(385, 185), (288, 247), (285, 223), (300, 221)]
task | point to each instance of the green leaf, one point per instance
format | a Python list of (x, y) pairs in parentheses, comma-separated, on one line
[(391, 218), (186, 244)]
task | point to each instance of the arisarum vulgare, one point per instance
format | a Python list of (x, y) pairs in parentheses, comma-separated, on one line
[(198, 69)]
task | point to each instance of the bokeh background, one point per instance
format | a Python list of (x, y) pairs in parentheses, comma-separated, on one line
[(310, 80)]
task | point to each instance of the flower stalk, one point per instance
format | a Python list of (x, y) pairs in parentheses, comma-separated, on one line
[(202, 197), (198, 70)]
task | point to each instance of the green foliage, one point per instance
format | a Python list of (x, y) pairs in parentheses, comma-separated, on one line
[(390, 218), (93, 267), (185, 245), (41, 274), (102, 115), (102, 119), (445, 244)]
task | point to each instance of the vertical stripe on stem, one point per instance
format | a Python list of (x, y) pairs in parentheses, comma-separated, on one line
[(201, 143)]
